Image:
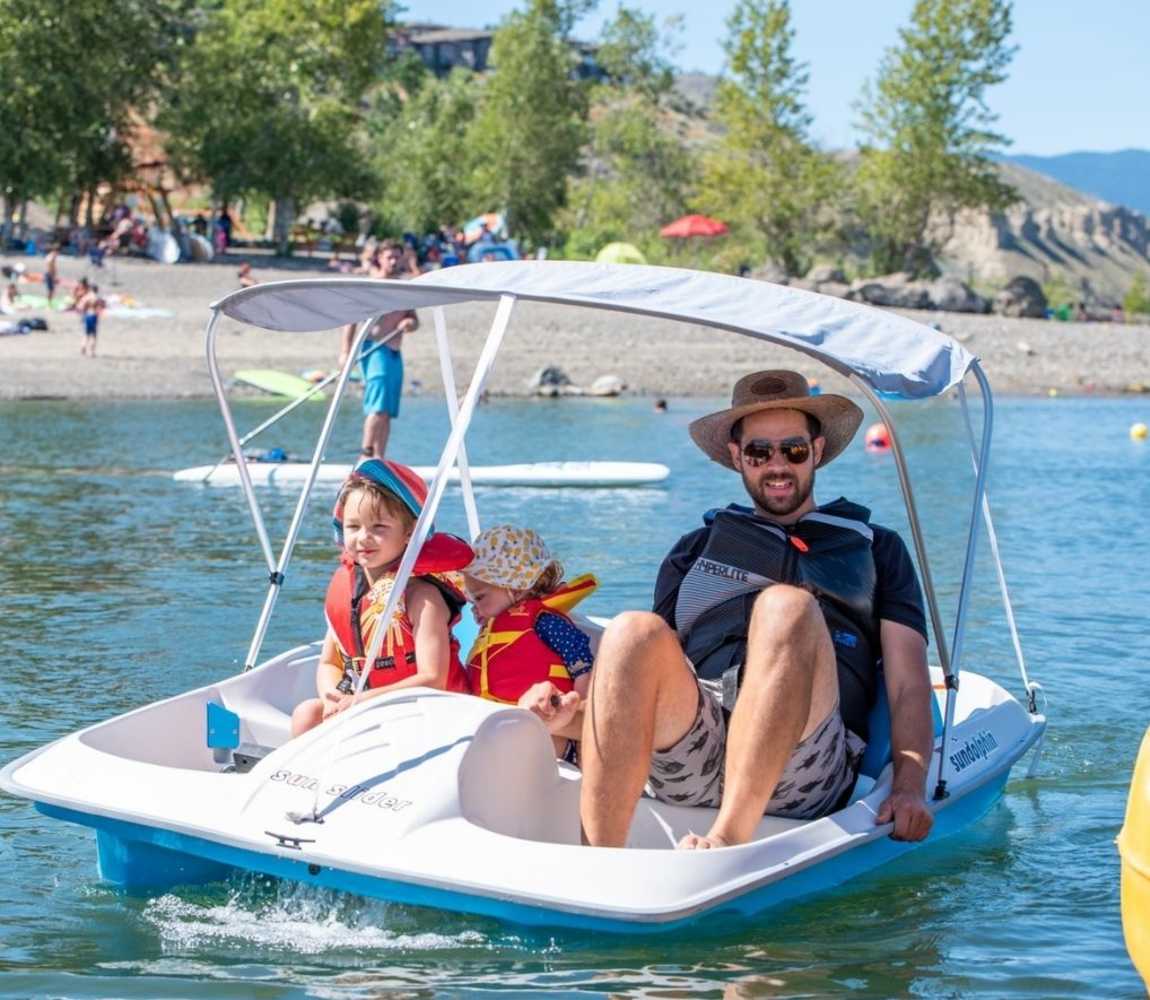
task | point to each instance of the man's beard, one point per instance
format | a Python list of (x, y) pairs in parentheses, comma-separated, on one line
[(779, 506)]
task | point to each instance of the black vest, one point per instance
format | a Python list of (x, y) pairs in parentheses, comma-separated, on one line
[(827, 552)]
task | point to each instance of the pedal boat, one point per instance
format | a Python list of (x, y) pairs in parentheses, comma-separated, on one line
[(449, 801)]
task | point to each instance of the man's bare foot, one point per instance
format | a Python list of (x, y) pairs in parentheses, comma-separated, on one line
[(697, 842)]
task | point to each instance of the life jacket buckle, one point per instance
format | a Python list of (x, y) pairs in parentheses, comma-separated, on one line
[(730, 688)]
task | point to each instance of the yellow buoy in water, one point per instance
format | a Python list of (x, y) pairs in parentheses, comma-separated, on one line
[(1052, 392), (1134, 846), (1139, 432)]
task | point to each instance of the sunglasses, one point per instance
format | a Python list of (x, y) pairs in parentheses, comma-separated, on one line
[(759, 451)]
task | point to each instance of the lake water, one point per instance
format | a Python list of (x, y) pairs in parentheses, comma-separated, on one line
[(119, 587)]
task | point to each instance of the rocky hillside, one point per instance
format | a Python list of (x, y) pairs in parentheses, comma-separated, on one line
[(1053, 233)]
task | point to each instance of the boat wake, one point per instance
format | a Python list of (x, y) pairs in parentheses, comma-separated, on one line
[(265, 915)]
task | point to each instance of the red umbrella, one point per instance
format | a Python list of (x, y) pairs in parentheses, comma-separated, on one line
[(694, 225)]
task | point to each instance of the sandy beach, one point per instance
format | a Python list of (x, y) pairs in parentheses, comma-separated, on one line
[(163, 357)]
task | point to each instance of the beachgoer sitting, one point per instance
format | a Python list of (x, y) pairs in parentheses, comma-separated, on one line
[(528, 651), (374, 517), (750, 687), (244, 273)]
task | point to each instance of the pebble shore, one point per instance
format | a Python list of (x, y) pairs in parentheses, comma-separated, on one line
[(163, 358)]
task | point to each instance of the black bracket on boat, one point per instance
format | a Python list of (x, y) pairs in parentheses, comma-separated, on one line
[(286, 840), (940, 791), (951, 682), (276, 578)]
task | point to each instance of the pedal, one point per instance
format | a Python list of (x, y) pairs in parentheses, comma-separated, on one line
[(248, 755)]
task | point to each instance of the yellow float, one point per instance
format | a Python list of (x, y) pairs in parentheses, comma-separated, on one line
[(1134, 846)]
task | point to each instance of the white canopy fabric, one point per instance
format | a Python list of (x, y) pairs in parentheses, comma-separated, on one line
[(898, 357)]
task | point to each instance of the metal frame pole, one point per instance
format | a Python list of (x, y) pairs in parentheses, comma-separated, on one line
[(233, 437), (448, 373), (277, 574), (924, 570), (424, 522)]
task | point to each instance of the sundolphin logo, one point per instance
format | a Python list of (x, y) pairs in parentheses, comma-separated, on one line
[(978, 748)]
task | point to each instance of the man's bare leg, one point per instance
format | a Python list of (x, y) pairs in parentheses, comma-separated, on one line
[(376, 430), (789, 687), (643, 696)]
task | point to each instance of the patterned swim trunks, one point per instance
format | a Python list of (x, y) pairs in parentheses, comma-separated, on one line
[(820, 771)]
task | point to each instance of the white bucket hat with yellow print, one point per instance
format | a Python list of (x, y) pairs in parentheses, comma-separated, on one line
[(511, 557)]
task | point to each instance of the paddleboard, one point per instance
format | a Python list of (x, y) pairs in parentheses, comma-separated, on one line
[(547, 475), (276, 382)]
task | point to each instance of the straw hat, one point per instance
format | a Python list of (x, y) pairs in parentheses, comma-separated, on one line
[(777, 390), (506, 556)]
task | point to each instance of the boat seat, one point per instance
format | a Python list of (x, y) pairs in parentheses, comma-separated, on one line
[(878, 749)]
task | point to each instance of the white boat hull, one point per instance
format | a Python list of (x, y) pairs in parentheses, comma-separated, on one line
[(534, 474), (454, 802)]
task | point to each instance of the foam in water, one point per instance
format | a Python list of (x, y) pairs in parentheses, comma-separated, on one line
[(301, 919)]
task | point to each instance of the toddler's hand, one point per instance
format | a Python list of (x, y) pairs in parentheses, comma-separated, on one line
[(335, 702), (555, 709)]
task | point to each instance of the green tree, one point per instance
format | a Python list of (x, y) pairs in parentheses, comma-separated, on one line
[(73, 81), (271, 101), (638, 168), (532, 120), (929, 130), (1137, 300), (423, 156), (765, 178)]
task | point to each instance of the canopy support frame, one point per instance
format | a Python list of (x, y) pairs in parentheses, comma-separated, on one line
[(277, 568), (423, 526)]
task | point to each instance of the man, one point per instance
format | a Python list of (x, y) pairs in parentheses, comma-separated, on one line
[(751, 694), (382, 367)]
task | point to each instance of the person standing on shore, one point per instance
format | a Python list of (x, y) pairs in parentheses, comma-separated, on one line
[(51, 271), (382, 367), (90, 307)]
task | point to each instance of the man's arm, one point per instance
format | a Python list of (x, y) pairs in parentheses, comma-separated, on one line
[(911, 730), (347, 338)]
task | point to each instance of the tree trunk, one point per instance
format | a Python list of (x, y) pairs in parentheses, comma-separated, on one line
[(284, 217), (9, 213)]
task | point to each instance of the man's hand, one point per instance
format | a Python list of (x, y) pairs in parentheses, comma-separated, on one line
[(555, 709), (406, 325), (912, 820)]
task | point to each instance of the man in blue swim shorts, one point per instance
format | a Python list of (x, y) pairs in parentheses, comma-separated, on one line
[(382, 365)]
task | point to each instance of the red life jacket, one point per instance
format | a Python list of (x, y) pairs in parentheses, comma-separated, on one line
[(441, 554), (508, 657)]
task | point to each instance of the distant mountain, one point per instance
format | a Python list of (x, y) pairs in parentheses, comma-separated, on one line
[(1121, 178)]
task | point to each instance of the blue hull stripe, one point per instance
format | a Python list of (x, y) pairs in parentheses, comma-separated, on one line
[(142, 857)]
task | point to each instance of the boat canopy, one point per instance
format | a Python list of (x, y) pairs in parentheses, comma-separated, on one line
[(896, 356)]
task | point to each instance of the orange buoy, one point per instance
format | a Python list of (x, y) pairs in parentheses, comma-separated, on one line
[(877, 438)]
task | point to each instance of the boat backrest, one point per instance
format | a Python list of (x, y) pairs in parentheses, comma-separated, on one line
[(878, 748)]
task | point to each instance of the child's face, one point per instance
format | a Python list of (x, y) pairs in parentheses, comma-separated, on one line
[(372, 535), (488, 599)]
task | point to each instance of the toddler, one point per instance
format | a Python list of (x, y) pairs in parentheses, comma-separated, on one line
[(528, 652), (374, 518)]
